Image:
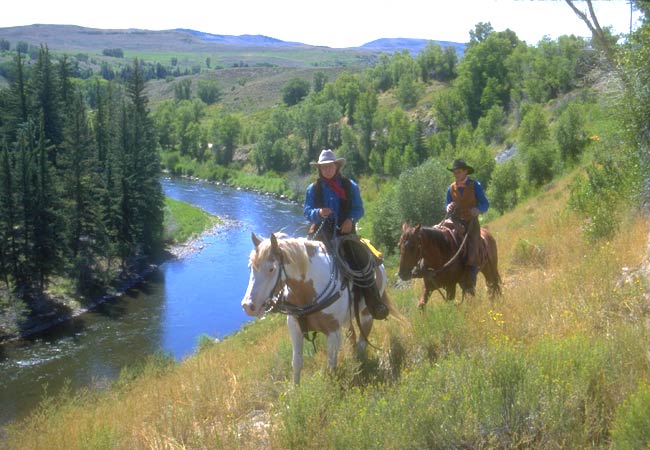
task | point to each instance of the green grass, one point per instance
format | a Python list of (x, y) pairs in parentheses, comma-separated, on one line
[(183, 221)]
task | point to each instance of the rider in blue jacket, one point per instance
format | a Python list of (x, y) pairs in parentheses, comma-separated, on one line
[(333, 206)]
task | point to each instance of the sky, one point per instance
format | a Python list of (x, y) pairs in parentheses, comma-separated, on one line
[(332, 23)]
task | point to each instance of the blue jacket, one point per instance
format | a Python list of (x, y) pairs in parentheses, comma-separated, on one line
[(330, 200), (481, 199)]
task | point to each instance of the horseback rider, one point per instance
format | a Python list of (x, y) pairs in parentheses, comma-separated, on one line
[(465, 201), (333, 206)]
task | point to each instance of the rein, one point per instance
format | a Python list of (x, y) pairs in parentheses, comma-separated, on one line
[(433, 272), (277, 301)]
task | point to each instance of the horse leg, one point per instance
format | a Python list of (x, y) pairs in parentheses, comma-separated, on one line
[(333, 345), (297, 341), (365, 322), (426, 293), (451, 292)]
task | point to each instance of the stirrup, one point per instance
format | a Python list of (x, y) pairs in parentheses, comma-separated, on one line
[(378, 311)]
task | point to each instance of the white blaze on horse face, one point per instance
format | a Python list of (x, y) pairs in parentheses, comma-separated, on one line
[(260, 287)]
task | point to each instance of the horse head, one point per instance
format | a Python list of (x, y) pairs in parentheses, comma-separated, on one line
[(265, 264), (410, 251)]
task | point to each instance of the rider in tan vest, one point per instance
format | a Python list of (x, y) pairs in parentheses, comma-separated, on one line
[(465, 201)]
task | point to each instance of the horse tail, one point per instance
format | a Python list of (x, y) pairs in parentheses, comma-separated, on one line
[(495, 281), (393, 311)]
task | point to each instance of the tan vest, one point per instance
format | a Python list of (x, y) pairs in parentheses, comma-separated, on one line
[(465, 201)]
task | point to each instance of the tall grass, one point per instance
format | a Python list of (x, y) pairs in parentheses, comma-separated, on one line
[(559, 361), (183, 221)]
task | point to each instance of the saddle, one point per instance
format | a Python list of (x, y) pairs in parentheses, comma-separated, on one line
[(456, 231)]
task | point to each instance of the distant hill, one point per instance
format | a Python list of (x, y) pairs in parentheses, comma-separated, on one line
[(245, 40), (414, 46), (77, 38)]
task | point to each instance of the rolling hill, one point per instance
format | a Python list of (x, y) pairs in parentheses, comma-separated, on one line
[(73, 38)]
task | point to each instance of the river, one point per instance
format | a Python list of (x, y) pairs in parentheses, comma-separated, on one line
[(181, 301)]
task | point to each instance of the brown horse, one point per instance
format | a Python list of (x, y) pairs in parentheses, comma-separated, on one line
[(433, 254)]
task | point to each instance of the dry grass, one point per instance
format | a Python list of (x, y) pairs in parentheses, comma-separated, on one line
[(237, 393)]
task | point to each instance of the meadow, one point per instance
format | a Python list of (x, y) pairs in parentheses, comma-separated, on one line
[(559, 361)]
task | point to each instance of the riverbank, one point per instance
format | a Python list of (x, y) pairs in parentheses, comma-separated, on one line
[(55, 307)]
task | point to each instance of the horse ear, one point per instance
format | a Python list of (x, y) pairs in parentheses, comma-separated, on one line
[(417, 227), (405, 226), (256, 240), (274, 242)]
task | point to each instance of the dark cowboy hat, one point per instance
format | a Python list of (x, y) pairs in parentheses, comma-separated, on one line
[(327, 157), (461, 164)]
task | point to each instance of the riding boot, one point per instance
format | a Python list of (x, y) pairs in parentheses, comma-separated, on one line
[(472, 272), (378, 310)]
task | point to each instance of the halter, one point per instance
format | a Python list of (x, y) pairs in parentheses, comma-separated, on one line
[(277, 301)]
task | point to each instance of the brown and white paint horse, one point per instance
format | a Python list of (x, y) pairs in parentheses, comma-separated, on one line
[(300, 278)]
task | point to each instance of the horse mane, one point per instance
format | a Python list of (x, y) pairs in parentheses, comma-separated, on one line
[(439, 237), (293, 251)]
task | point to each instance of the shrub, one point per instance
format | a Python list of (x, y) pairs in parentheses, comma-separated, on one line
[(540, 162), (294, 91), (504, 184), (528, 254), (570, 133), (597, 196), (631, 427)]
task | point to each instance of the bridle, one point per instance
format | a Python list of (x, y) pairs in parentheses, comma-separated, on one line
[(277, 299), (431, 272)]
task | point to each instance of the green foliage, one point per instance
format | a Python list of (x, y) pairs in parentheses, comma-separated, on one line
[(631, 427), (540, 164), (408, 91), (556, 67), (636, 105), (490, 128), (183, 221), (209, 91), (598, 197), (318, 82), (154, 366), (436, 63), (418, 197), (481, 159), (556, 394), (504, 185), (450, 111), (183, 89), (570, 133), (534, 129), (294, 91), (483, 79)]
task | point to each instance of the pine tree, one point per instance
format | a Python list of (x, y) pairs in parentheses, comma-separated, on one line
[(46, 101)]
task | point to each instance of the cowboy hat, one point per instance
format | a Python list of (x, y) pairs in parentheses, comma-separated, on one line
[(461, 164), (327, 156)]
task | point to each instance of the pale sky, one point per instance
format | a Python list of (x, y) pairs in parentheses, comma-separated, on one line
[(333, 23)]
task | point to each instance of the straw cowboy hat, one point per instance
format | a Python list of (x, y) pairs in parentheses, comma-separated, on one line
[(327, 157), (461, 164)]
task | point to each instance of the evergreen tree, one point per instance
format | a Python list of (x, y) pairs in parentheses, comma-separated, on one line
[(144, 169), (46, 101), (46, 241)]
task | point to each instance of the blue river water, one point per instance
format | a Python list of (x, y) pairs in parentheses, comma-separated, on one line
[(184, 299)]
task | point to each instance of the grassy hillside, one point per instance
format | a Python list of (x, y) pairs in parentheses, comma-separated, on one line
[(161, 46), (246, 89), (559, 361)]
